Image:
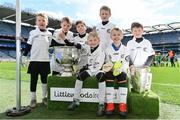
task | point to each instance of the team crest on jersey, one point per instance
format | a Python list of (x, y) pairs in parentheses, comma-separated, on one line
[(108, 30), (49, 38), (91, 60), (122, 56), (145, 49)]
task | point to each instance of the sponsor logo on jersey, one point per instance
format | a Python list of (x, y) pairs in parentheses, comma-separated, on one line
[(116, 53), (132, 49), (96, 63)]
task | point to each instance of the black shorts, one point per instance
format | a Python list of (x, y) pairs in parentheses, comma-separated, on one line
[(120, 77), (39, 67)]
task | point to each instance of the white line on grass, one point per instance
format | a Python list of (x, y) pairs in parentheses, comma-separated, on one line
[(167, 84)]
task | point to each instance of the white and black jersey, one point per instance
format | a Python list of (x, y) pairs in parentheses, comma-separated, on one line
[(40, 42), (68, 36), (80, 39), (114, 54), (139, 51), (59, 42), (82, 53), (95, 60), (104, 34)]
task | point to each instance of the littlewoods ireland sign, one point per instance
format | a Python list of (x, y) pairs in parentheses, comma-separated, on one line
[(87, 95)]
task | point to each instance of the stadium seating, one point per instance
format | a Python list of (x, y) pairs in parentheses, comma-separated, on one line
[(7, 29), (7, 54), (162, 41)]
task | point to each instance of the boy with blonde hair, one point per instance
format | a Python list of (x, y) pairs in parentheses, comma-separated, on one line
[(117, 63), (96, 58)]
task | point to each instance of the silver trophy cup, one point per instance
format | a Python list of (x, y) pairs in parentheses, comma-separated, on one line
[(67, 57), (141, 81)]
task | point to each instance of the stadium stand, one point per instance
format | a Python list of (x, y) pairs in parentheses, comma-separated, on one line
[(164, 37)]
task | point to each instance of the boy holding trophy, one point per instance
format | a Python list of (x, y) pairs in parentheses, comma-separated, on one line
[(141, 54)]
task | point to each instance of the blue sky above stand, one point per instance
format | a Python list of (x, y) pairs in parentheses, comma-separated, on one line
[(124, 12)]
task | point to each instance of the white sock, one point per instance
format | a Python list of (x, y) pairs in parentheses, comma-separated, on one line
[(110, 94), (102, 91), (44, 90), (33, 95), (123, 94), (77, 89)]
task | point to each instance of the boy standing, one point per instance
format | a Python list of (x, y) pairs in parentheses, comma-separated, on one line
[(116, 54), (140, 49), (96, 58), (104, 28), (38, 45)]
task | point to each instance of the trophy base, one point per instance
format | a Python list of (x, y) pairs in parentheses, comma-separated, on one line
[(66, 74)]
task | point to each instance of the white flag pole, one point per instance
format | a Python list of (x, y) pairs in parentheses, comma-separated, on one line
[(18, 110), (18, 54)]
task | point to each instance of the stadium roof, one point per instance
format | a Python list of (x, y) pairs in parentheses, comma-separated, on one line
[(175, 26), (8, 13)]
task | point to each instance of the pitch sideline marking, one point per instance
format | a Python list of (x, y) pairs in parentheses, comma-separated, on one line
[(167, 84)]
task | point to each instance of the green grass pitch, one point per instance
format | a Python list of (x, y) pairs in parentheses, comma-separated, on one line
[(165, 83)]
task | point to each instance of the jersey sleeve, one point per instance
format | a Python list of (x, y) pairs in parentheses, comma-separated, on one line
[(30, 39), (100, 60), (125, 63), (107, 56), (50, 38), (151, 50), (55, 35)]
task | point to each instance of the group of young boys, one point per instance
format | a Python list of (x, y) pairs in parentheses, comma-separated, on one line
[(101, 55)]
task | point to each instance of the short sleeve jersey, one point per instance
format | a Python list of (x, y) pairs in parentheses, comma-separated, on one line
[(139, 52), (40, 42), (104, 34)]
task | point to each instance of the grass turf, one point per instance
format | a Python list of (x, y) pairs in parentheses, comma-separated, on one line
[(138, 103), (8, 100), (162, 75), (166, 83)]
